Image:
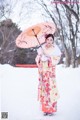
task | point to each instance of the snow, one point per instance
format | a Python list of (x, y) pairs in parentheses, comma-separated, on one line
[(19, 93)]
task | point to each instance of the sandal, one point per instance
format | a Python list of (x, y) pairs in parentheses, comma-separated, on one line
[(45, 114)]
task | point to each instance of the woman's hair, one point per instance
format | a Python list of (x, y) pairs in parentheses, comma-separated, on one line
[(49, 35)]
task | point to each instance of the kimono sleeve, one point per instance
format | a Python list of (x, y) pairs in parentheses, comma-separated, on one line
[(39, 54), (39, 51)]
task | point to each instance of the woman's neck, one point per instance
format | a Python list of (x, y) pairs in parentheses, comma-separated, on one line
[(48, 46)]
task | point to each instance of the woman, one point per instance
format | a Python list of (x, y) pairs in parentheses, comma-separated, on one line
[(47, 58)]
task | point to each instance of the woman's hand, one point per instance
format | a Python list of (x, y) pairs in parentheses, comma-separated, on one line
[(56, 60)]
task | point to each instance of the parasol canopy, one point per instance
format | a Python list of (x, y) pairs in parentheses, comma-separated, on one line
[(35, 35)]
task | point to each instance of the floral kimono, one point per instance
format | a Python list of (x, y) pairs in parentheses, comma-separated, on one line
[(47, 88)]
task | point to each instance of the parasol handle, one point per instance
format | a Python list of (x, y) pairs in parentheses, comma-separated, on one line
[(36, 36), (37, 39)]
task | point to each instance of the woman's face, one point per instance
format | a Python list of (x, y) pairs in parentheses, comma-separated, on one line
[(49, 41)]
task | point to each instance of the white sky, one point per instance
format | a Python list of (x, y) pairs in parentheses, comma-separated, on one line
[(34, 17)]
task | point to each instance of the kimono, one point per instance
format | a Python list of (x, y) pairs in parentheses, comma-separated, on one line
[(47, 89)]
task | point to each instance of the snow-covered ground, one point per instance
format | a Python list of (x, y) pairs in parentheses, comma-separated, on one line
[(19, 93)]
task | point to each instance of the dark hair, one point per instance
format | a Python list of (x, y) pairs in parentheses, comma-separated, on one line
[(49, 35)]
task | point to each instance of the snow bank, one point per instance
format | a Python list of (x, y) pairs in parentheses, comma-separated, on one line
[(19, 93)]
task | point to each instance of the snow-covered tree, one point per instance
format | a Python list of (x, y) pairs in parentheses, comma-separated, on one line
[(8, 33), (65, 14)]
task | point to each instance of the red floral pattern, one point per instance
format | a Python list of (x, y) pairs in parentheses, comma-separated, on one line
[(47, 89)]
